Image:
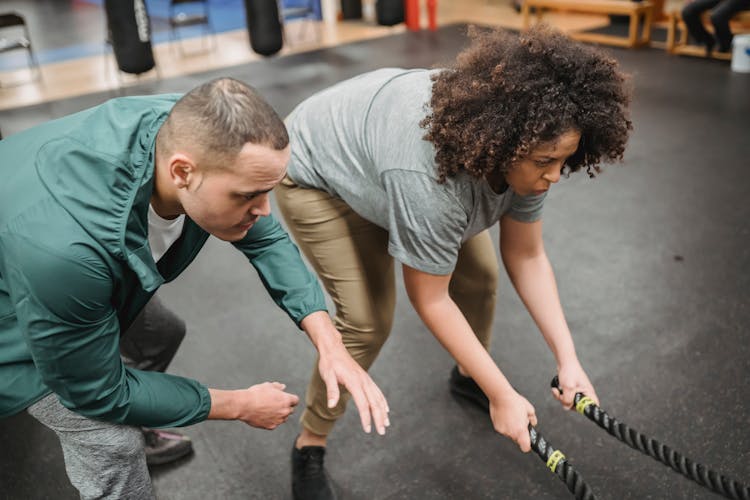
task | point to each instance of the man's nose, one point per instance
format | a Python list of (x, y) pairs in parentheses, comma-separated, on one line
[(262, 207)]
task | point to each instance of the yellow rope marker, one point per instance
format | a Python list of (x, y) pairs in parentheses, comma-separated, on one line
[(554, 459), (584, 403)]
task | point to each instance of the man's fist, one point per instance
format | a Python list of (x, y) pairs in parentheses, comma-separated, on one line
[(266, 405)]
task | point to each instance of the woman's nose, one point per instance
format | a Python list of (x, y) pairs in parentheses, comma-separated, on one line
[(552, 175)]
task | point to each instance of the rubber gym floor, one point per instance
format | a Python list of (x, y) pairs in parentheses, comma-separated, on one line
[(652, 260)]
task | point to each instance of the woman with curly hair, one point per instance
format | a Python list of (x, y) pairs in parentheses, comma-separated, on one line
[(416, 165)]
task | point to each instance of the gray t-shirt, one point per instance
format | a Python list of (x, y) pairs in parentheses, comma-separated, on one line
[(360, 141)]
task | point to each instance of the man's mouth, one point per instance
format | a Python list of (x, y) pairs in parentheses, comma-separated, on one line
[(249, 224)]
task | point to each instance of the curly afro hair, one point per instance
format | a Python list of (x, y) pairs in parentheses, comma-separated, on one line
[(507, 94)]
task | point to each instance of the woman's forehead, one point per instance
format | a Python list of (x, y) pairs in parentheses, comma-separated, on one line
[(567, 140)]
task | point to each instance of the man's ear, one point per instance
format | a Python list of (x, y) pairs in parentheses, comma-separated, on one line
[(183, 170)]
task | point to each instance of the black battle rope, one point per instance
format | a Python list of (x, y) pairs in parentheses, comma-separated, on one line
[(697, 472), (558, 464)]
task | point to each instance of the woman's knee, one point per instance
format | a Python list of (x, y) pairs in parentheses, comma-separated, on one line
[(481, 278), (366, 334)]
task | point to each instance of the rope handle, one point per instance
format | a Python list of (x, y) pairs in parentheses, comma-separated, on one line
[(559, 465), (694, 471)]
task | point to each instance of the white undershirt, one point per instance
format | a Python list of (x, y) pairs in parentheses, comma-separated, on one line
[(162, 232)]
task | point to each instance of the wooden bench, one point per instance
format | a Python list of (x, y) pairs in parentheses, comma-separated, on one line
[(677, 34), (636, 11)]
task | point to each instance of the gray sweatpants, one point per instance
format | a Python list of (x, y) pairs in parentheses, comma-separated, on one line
[(105, 460)]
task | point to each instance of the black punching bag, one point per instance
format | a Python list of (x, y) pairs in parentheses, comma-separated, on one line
[(263, 26), (351, 9), (389, 12), (130, 35)]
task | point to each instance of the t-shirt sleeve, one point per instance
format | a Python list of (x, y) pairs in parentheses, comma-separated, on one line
[(526, 208), (425, 222)]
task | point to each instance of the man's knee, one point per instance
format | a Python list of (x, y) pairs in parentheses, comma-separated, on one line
[(123, 444), (174, 329)]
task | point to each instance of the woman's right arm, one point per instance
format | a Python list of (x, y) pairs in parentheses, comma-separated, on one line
[(510, 412)]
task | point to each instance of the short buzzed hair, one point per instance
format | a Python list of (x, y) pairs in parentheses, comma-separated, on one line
[(218, 118)]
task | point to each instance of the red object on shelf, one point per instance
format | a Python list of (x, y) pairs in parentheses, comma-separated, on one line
[(411, 14), (432, 14)]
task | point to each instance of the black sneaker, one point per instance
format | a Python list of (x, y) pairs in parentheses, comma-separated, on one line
[(466, 388), (310, 480), (163, 447)]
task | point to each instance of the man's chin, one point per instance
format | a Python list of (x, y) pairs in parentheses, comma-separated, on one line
[(231, 236)]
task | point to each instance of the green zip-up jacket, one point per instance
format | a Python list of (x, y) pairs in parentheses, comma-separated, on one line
[(76, 266)]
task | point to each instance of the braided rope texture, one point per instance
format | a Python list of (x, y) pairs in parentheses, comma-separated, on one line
[(563, 469), (697, 472)]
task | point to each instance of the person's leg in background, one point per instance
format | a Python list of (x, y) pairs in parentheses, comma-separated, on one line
[(150, 343), (350, 256), (473, 288), (102, 460), (691, 15), (720, 17)]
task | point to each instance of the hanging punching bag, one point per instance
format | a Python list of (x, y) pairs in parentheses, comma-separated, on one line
[(130, 35), (389, 12), (263, 26), (351, 9)]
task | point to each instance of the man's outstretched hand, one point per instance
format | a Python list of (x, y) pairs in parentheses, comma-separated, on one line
[(337, 367)]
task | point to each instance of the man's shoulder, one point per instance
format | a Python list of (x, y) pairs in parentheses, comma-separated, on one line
[(46, 233), (140, 101)]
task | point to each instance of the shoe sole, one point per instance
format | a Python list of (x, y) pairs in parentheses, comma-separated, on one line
[(167, 459)]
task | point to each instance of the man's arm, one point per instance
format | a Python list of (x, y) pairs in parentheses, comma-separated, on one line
[(510, 412), (281, 269), (296, 290), (338, 367), (62, 299), (265, 405), (64, 307), (529, 269)]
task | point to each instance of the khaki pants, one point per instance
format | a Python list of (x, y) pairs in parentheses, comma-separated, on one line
[(350, 256)]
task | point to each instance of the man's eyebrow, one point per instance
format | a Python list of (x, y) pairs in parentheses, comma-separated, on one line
[(255, 193)]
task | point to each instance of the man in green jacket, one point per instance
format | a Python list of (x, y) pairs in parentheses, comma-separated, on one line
[(97, 210)]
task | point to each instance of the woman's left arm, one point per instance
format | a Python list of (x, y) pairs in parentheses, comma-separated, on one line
[(529, 269)]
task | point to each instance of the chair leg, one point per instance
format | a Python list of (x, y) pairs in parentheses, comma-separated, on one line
[(647, 26), (671, 27), (34, 64), (633, 31)]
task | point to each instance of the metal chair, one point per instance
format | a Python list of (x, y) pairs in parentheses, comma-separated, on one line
[(302, 10), (187, 13), (18, 38)]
